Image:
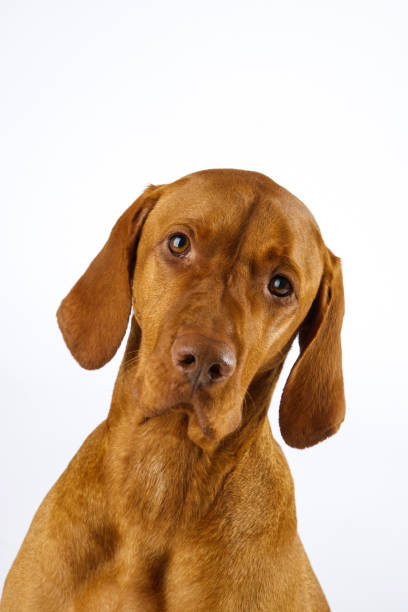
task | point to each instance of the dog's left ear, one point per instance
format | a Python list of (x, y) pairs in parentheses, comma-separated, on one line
[(312, 406), (93, 317)]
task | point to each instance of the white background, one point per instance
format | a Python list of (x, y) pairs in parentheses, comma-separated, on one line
[(100, 98)]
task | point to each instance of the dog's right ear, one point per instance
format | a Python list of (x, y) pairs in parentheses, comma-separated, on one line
[(93, 317)]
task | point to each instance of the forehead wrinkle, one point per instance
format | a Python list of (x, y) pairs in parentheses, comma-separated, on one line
[(239, 244)]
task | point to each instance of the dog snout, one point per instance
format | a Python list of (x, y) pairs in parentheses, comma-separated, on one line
[(202, 360)]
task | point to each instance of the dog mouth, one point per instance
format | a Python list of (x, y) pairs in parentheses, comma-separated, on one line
[(211, 411), (192, 409)]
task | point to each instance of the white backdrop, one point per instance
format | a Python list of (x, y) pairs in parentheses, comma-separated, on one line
[(100, 98)]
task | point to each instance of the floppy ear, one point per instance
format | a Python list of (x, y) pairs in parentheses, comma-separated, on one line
[(312, 406), (93, 317)]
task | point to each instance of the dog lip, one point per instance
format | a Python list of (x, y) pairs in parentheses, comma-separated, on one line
[(181, 406), (189, 409), (176, 405)]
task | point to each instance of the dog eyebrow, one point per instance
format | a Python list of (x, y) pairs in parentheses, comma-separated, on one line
[(282, 259), (191, 223), (198, 220)]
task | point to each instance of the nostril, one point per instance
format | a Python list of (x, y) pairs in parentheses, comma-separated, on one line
[(215, 371), (187, 360)]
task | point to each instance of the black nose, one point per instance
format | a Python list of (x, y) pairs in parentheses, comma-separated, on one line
[(203, 360)]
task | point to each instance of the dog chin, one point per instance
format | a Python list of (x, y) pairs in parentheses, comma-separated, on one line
[(209, 421), (208, 434)]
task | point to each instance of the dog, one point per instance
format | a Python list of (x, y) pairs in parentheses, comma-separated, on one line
[(181, 500)]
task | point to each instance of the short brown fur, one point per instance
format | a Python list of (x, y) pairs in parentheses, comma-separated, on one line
[(182, 499)]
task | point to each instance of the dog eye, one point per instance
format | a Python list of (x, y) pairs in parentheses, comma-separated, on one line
[(280, 286), (179, 244)]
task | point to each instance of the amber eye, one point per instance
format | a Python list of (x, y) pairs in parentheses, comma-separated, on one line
[(280, 286), (179, 244)]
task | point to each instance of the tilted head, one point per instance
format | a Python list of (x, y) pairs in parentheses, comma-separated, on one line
[(229, 268)]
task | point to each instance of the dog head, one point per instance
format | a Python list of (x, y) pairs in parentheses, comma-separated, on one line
[(230, 267)]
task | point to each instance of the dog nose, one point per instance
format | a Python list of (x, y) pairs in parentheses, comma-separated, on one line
[(203, 360)]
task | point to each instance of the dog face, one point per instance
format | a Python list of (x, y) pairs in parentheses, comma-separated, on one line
[(229, 268)]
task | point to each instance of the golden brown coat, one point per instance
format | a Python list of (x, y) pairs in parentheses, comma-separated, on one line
[(182, 500)]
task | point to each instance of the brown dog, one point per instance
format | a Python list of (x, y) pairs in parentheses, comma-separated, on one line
[(181, 500)]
